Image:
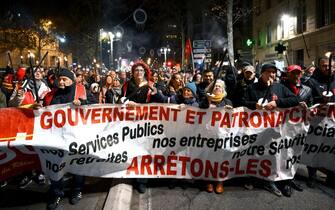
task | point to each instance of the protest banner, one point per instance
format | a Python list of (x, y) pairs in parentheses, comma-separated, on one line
[(164, 141), (319, 149)]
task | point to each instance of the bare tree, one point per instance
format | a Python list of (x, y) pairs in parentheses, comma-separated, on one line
[(230, 36)]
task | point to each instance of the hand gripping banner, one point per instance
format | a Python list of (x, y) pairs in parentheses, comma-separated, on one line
[(159, 141)]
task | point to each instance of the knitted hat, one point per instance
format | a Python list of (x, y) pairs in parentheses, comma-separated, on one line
[(192, 87), (267, 66), (67, 73)]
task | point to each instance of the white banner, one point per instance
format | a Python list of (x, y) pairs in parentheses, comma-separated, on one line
[(159, 140), (319, 150)]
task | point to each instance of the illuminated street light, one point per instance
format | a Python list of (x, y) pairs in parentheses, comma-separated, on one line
[(165, 50), (285, 18)]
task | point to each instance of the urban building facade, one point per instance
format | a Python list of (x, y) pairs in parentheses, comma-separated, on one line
[(305, 27)]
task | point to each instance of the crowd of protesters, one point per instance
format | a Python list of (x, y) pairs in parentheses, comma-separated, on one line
[(210, 88)]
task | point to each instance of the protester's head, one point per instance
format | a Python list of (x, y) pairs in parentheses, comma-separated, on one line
[(79, 76), (112, 73), (249, 72), (294, 74), (220, 88), (116, 82), (310, 70), (268, 73), (123, 75), (324, 66), (109, 80), (65, 79), (39, 74), (141, 71), (207, 76), (176, 82), (154, 76), (190, 90), (197, 78)]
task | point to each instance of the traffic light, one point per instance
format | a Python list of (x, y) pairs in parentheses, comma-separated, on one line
[(250, 42), (169, 63), (280, 48)]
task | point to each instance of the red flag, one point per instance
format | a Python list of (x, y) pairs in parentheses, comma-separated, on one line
[(188, 50)]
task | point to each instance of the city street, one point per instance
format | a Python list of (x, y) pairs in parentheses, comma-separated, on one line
[(182, 197)]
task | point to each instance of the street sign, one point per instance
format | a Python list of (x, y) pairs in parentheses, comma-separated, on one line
[(202, 44), (199, 55), (203, 50)]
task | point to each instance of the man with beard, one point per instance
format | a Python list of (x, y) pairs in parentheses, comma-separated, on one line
[(66, 93), (248, 77), (207, 78), (319, 85)]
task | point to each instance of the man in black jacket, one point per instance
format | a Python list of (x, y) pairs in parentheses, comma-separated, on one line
[(319, 82), (66, 93), (293, 83), (304, 94), (319, 85), (266, 94)]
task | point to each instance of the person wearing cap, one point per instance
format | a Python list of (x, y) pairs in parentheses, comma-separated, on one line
[(273, 95), (65, 93), (293, 83), (269, 95), (248, 77), (187, 96), (27, 96), (304, 94)]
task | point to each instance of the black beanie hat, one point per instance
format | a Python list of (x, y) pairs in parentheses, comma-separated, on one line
[(66, 73), (268, 66)]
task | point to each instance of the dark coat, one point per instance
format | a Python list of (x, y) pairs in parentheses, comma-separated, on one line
[(318, 83), (283, 97), (138, 94), (305, 93)]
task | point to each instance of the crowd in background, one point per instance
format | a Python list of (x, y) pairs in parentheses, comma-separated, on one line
[(265, 87)]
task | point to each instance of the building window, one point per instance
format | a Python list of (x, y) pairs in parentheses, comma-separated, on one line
[(259, 38), (301, 17), (299, 57), (268, 33), (325, 14), (267, 4)]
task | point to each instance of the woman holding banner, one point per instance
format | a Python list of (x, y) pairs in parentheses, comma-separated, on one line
[(139, 89), (216, 98)]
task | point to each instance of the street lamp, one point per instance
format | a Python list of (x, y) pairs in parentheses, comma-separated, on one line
[(165, 50), (112, 36)]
